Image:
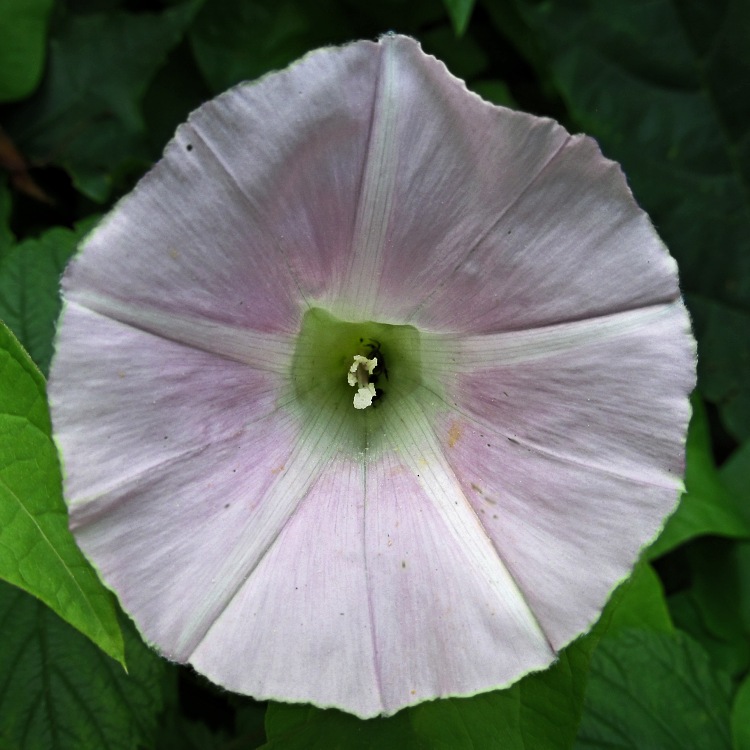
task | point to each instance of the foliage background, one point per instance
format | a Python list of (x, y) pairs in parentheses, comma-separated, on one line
[(91, 91)]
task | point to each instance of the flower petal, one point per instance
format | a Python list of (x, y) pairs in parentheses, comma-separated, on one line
[(573, 459), (573, 247), (252, 208), (442, 166)]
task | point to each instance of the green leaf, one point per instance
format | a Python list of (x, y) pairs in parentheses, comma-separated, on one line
[(6, 236), (724, 360), (29, 288), (707, 507), (665, 88), (23, 28), (741, 717), (542, 710), (654, 690), (715, 609), (637, 603), (58, 692), (460, 13), (37, 552), (735, 473), (86, 117), (235, 41)]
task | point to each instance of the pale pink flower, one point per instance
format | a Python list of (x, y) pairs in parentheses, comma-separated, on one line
[(530, 344)]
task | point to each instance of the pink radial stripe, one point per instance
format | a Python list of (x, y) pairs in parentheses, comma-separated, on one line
[(430, 139), (575, 245), (301, 624), (438, 584), (569, 532), (555, 404), (142, 400), (236, 226)]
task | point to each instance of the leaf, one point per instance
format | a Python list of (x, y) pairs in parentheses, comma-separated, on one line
[(58, 692), (542, 710), (724, 361), (235, 41), (715, 609), (29, 287), (460, 13), (654, 690), (638, 603), (707, 507), (6, 236), (741, 717), (86, 117), (23, 30), (665, 88), (37, 552), (735, 473)]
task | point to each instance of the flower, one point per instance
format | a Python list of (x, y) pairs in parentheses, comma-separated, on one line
[(498, 299)]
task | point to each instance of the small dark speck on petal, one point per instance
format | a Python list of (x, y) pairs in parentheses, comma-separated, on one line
[(189, 147), (403, 563), (227, 505)]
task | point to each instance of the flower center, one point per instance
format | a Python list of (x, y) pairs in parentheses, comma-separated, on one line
[(366, 365)]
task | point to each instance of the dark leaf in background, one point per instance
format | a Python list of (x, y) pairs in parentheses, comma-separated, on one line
[(708, 506), (29, 287), (715, 609), (654, 691), (542, 710), (23, 29), (86, 117), (724, 359), (665, 88), (460, 13), (59, 692), (741, 717), (6, 236), (37, 552), (236, 40)]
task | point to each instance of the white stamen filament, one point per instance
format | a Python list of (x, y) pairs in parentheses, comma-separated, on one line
[(359, 376)]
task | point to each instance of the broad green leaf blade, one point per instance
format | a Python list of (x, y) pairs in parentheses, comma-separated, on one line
[(460, 13), (665, 88), (542, 710), (707, 507), (735, 473), (638, 603), (37, 552), (29, 288), (23, 29), (59, 692), (741, 717), (86, 117), (654, 690)]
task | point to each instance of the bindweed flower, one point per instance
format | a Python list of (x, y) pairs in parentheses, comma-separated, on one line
[(370, 392)]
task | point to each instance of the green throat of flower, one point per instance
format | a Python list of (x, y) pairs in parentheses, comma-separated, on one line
[(358, 372)]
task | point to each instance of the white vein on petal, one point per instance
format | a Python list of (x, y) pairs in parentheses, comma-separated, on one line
[(370, 608), (466, 353), (361, 283), (271, 352), (418, 446), (313, 449)]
